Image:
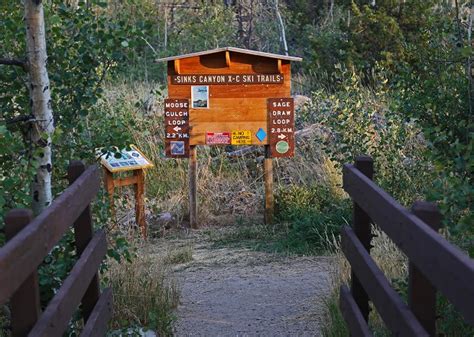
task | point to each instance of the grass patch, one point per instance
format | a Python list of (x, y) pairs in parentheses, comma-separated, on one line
[(144, 294), (179, 255)]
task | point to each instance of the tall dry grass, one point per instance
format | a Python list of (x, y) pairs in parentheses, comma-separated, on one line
[(145, 292), (394, 265), (228, 188)]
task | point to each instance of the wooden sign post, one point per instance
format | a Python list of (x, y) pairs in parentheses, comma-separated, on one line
[(229, 96), (136, 162)]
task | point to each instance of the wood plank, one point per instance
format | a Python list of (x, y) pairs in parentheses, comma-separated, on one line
[(83, 233), (29, 247), (240, 64), (127, 181), (198, 132), (233, 50), (192, 172), (441, 262), (350, 311), (96, 325), (235, 90), (361, 224), (421, 293), (25, 302), (59, 311), (268, 181), (230, 110), (394, 312)]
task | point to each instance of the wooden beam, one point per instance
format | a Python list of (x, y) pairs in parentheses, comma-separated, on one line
[(350, 311), (441, 262), (32, 244), (268, 178), (96, 325), (395, 313), (56, 317), (140, 200), (421, 293), (25, 302), (177, 67), (280, 68), (193, 186), (227, 58)]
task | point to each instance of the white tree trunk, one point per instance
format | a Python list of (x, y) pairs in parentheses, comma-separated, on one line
[(40, 103), (282, 27)]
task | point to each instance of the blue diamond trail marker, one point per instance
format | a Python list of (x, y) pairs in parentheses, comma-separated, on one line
[(261, 134)]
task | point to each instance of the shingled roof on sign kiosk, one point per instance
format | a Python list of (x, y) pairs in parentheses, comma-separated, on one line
[(232, 49)]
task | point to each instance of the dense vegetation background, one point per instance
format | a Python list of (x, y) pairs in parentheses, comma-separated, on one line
[(388, 78)]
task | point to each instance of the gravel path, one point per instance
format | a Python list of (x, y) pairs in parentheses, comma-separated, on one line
[(238, 292)]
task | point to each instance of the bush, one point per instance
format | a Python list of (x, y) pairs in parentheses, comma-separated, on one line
[(314, 216)]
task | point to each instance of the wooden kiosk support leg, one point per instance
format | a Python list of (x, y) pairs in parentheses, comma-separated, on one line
[(139, 201), (193, 186), (268, 176), (109, 186)]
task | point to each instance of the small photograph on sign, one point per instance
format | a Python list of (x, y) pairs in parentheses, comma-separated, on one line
[(241, 137), (177, 148), (218, 138), (200, 96)]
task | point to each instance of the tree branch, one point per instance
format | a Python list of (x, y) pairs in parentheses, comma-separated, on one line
[(13, 62)]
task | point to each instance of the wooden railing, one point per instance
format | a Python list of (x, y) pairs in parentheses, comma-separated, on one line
[(29, 242), (434, 263)]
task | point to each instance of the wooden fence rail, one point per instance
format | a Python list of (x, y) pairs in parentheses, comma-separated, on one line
[(434, 263), (30, 241)]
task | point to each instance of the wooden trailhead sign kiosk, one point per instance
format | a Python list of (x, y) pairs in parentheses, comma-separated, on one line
[(134, 161), (229, 96)]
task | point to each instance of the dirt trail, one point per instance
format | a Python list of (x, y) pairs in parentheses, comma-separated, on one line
[(239, 292)]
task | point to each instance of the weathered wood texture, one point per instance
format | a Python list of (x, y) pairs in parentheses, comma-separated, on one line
[(83, 233), (25, 302), (97, 323), (421, 293), (442, 263), (268, 177), (232, 106), (31, 245), (59, 311), (192, 171), (394, 312), (352, 315), (435, 264), (362, 228), (137, 180), (31, 240)]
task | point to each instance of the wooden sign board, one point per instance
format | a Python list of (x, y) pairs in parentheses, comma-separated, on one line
[(177, 128), (227, 91), (281, 126), (229, 96), (128, 161)]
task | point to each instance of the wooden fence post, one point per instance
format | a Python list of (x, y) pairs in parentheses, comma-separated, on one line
[(268, 177), (83, 232), (421, 293), (193, 186), (139, 201), (361, 224), (25, 302)]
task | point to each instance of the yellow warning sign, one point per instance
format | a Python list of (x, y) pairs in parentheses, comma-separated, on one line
[(241, 137)]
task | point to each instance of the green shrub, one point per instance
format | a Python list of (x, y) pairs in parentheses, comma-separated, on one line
[(314, 216)]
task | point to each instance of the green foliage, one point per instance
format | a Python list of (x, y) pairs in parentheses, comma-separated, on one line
[(314, 216), (358, 120)]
